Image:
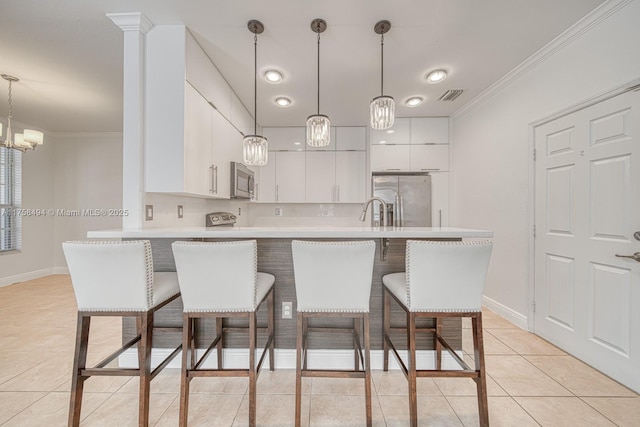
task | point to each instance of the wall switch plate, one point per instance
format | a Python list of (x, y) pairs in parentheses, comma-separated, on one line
[(180, 211), (287, 310), (148, 212), (279, 212)]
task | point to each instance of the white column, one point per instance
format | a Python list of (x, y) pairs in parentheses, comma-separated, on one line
[(135, 27)]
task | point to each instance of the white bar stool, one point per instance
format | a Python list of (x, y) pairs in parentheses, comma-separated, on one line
[(333, 279), (442, 279), (114, 278), (220, 280)]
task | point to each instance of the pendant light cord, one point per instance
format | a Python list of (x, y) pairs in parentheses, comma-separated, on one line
[(318, 71), (381, 64), (255, 84)]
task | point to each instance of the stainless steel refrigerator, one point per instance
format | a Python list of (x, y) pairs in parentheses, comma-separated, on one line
[(408, 198)]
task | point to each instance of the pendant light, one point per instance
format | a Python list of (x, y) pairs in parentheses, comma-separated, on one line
[(382, 107), (254, 147), (318, 125)]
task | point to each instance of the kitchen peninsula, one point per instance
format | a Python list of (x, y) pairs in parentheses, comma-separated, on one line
[(274, 256)]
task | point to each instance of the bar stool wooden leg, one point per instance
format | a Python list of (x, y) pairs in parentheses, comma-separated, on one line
[(411, 345), (187, 364), (220, 346), (437, 343), (252, 368), (386, 314), (356, 342), (299, 368), (144, 355), (79, 363), (481, 381), (270, 327), (367, 368)]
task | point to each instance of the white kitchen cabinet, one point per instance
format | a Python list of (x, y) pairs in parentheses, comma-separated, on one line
[(285, 138), (430, 130), (390, 157), (439, 199), (290, 176), (429, 157), (240, 117), (266, 180), (351, 138), (399, 133), (320, 173), (350, 176), (199, 172)]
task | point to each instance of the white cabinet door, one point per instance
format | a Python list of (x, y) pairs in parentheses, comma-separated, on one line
[(285, 138), (351, 138), (320, 176), (240, 117), (439, 199), (351, 170), (266, 180), (290, 176), (390, 157), (429, 157), (198, 127), (399, 133), (225, 142), (430, 130)]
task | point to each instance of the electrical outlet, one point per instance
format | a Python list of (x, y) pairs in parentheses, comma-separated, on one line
[(279, 212), (148, 212), (287, 310), (180, 211), (239, 211)]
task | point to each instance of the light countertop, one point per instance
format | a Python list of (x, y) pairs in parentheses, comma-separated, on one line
[(293, 232)]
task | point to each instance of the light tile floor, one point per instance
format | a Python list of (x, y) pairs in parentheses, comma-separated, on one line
[(531, 382)]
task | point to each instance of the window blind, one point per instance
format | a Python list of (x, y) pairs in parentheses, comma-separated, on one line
[(10, 199)]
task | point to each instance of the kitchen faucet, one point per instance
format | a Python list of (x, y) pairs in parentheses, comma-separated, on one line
[(365, 206)]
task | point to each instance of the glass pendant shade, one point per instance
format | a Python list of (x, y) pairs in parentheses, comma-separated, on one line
[(318, 130), (254, 150), (382, 112)]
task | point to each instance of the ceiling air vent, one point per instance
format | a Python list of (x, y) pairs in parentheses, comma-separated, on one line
[(450, 95)]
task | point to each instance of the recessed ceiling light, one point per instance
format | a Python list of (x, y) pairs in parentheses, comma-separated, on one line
[(273, 76), (414, 101), (436, 76), (282, 101)]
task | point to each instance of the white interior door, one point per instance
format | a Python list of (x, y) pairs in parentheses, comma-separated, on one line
[(587, 210)]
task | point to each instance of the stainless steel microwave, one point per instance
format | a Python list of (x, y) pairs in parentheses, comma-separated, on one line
[(242, 181)]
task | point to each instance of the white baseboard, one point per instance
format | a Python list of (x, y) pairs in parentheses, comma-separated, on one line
[(22, 277), (518, 319), (238, 358)]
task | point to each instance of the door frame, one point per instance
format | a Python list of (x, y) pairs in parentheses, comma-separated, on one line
[(633, 85)]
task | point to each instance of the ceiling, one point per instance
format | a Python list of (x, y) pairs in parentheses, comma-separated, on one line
[(68, 54)]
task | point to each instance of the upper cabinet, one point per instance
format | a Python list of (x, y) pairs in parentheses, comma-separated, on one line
[(351, 138), (285, 138), (399, 133), (430, 130), (415, 144), (195, 123)]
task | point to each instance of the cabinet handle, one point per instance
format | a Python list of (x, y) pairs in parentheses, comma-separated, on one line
[(433, 169), (440, 215), (393, 169), (215, 179), (277, 192), (211, 181), (338, 196), (333, 193)]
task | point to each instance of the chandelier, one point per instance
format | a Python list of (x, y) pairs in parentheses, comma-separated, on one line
[(28, 140)]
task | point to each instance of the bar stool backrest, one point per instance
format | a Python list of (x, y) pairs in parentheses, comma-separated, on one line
[(333, 276), (217, 276), (446, 276), (111, 275)]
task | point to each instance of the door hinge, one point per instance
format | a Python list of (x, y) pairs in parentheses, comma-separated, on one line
[(533, 306), (534, 154), (534, 231)]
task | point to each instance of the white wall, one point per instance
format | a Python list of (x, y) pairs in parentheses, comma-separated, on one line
[(36, 257), (87, 175), (491, 155)]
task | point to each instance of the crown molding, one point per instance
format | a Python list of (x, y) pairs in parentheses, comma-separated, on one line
[(574, 32), (135, 21), (87, 134)]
